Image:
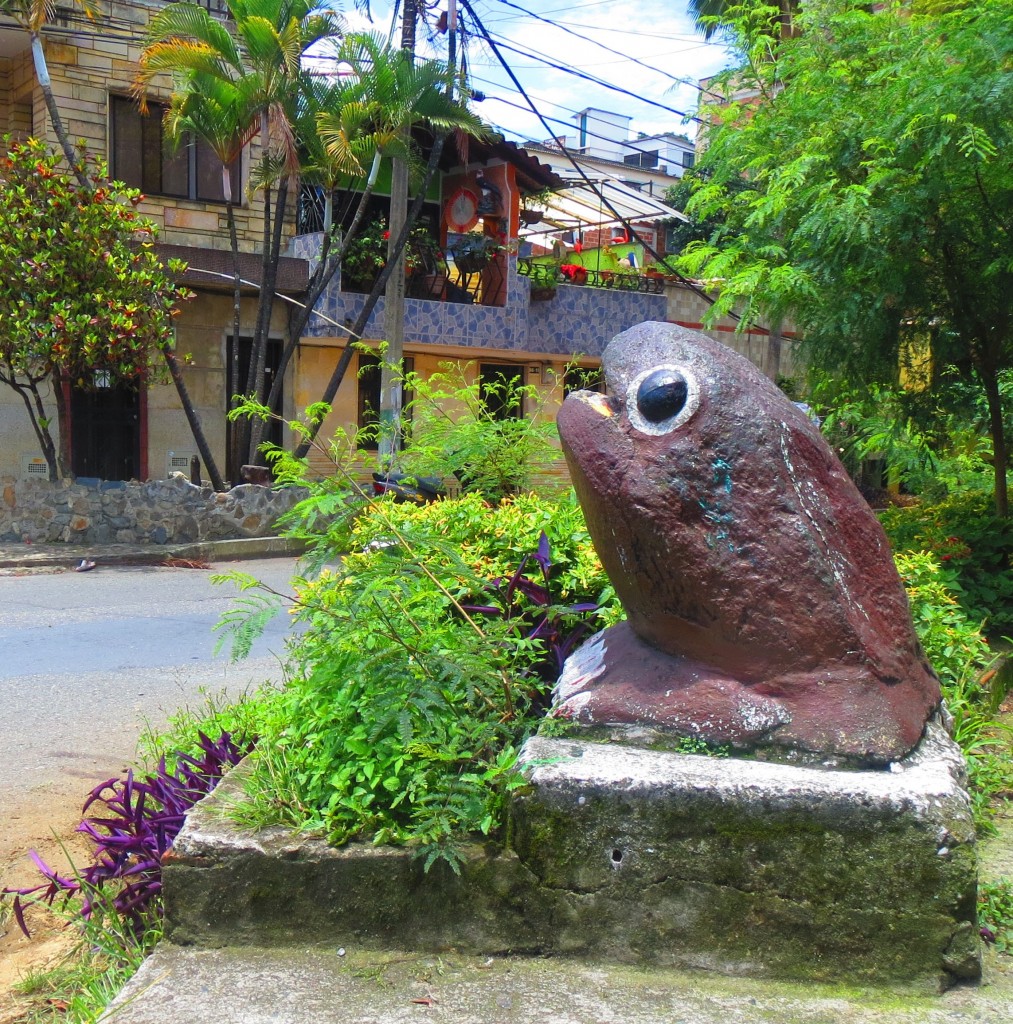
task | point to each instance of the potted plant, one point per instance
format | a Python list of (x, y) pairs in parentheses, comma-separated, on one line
[(473, 252), (366, 257), (574, 273)]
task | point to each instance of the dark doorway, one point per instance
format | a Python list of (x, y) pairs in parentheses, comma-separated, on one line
[(105, 434), (501, 386), (273, 429)]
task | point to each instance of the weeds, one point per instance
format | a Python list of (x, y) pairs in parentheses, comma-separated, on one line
[(93, 971), (995, 913)]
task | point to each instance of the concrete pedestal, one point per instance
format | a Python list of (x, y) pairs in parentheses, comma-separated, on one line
[(746, 867), (625, 855)]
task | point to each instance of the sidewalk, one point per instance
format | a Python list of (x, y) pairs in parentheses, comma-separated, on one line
[(35, 556), (247, 985)]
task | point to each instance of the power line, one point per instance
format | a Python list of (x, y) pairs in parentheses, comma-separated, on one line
[(466, 4), (593, 42), (630, 144), (591, 78)]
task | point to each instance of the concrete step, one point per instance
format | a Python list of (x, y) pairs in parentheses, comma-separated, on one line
[(247, 985)]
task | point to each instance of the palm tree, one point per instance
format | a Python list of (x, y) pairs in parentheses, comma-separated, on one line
[(32, 15), (349, 128), (704, 13), (217, 112), (258, 68)]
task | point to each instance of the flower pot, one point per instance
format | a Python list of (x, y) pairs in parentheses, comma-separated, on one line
[(471, 262), (429, 286)]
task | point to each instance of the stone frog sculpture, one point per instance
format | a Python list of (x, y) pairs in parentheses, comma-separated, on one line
[(763, 606)]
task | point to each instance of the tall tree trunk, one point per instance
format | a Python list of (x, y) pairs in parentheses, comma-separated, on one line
[(234, 432), (322, 277), (389, 438), (29, 393), (63, 425), (192, 418), (378, 288), (46, 85), (265, 309)]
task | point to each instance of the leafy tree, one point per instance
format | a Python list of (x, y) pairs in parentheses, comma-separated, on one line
[(712, 15), (89, 296), (707, 229), (881, 202)]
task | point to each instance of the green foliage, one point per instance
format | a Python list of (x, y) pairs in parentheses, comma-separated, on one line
[(710, 229), (212, 715), (692, 745), (245, 621), (872, 422), (972, 688), (879, 205), (491, 435), (952, 642), (965, 534), (403, 715), (366, 254), (995, 912), (87, 298), (933, 442), (493, 539)]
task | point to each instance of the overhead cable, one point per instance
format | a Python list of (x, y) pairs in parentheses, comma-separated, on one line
[(466, 4)]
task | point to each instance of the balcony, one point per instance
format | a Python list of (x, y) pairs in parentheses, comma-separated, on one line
[(573, 319)]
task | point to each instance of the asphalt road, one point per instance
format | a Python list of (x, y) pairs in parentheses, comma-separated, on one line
[(86, 659)]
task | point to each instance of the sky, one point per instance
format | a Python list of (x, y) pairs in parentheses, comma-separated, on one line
[(605, 39)]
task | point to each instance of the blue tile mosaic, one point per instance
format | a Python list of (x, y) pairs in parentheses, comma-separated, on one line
[(577, 320)]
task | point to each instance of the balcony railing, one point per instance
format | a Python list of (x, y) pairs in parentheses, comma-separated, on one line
[(546, 275)]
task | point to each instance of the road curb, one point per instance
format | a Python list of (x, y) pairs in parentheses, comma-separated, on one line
[(23, 556)]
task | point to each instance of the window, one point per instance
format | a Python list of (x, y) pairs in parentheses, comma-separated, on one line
[(688, 159), (369, 398), (142, 157), (644, 158)]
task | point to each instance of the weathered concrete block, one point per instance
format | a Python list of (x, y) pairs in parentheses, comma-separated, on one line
[(636, 856), (749, 867)]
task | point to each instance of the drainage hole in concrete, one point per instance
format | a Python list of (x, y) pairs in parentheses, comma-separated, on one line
[(617, 858)]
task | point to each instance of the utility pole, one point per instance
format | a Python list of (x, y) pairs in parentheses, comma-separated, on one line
[(389, 441)]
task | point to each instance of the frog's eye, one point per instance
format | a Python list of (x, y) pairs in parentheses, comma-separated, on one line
[(661, 395), (661, 399)]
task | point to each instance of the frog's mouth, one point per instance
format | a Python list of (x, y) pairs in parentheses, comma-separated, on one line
[(598, 402)]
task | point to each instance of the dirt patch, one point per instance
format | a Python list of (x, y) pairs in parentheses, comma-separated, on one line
[(43, 820)]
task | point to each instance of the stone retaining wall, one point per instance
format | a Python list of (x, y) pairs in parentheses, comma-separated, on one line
[(171, 511)]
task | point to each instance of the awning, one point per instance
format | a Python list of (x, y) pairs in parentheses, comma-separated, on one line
[(584, 206)]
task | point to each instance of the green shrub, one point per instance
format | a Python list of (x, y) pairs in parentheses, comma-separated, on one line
[(964, 533), (953, 643), (403, 716), (995, 912), (492, 435), (964, 662)]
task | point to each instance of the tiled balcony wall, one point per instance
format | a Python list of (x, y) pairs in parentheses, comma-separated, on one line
[(569, 323)]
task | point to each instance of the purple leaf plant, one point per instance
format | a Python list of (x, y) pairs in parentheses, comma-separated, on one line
[(138, 822), (558, 627)]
